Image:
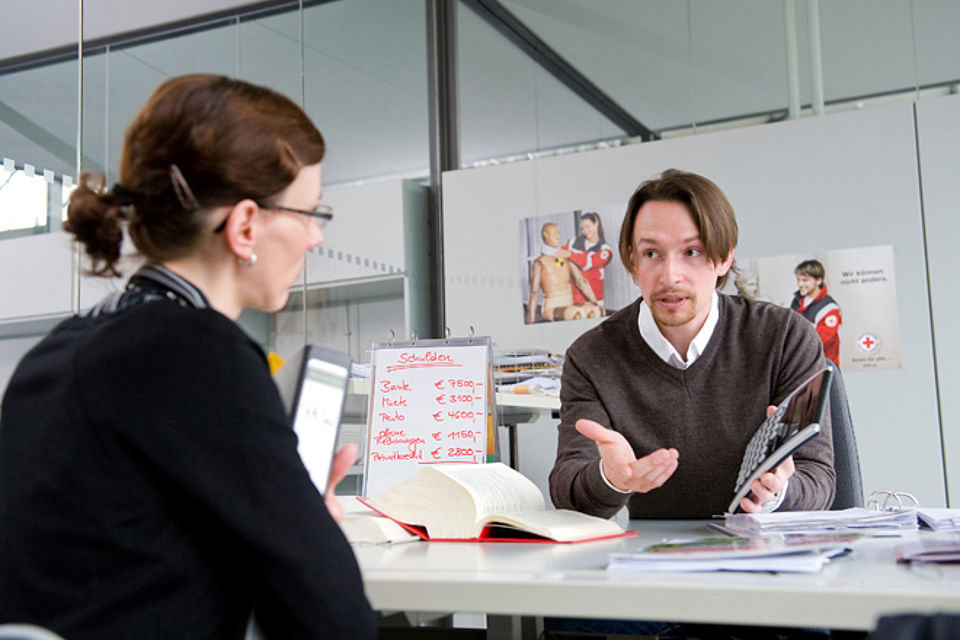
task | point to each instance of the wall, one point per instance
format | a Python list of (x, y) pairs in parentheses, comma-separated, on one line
[(835, 182)]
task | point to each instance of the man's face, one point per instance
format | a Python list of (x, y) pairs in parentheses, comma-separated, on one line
[(808, 285), (551, 235), (674, 274)]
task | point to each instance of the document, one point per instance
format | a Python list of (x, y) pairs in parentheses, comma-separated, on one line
[(929, 549), (940, 519), (794, 553), (853, 519)]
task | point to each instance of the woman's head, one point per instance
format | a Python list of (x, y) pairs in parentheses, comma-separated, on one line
[(591, 227), (201, 143)]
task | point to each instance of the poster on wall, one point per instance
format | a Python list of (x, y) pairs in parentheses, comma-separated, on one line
[(570, 267), (850, 295)]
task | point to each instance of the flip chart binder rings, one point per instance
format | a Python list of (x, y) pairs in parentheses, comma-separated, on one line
[(432, 402)]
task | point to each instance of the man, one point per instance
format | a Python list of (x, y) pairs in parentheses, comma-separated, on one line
[(660, 400), (812, 302), (554, 273)]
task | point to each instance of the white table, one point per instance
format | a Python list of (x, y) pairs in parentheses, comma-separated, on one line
[(534, 580)]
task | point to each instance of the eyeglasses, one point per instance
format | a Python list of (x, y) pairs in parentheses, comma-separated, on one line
[(321, 215)]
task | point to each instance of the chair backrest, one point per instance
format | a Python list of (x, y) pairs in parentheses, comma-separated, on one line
[(917, 626), (26, 632), (846, 461)]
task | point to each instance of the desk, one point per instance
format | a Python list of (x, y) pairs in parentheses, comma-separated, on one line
[(509, 579)]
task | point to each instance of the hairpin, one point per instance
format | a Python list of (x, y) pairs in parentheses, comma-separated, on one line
[(182, 189)]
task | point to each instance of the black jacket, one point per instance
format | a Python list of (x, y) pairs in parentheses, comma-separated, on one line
[(150, 487)]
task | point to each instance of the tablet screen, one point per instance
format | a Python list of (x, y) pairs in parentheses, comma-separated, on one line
[(316, 419)]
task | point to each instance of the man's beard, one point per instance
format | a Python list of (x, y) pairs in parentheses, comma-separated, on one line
[(675, 317)]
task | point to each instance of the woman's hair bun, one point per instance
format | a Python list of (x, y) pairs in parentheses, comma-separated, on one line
[(95, 217)]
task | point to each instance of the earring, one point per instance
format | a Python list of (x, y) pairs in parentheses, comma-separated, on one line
[(249, 262)]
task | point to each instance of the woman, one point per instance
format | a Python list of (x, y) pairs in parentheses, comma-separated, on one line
[(591, 253), (150, 484)]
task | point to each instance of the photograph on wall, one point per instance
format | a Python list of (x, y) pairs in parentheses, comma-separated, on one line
[(570, 267), (849, 295)]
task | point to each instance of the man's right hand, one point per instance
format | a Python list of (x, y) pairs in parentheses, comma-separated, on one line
[(622, 467)]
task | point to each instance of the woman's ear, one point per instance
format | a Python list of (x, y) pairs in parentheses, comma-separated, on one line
[(242, 229)]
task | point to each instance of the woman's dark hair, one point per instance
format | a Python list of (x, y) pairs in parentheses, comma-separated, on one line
[(201, 141), (581, 242), (709, 207)]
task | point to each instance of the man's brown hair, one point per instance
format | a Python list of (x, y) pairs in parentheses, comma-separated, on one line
[(711, 211), (813, 269)]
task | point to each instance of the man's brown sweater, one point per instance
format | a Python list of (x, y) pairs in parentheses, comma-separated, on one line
[(757, 355)]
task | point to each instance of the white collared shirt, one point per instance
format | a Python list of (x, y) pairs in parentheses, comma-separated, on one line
[(651, 334)]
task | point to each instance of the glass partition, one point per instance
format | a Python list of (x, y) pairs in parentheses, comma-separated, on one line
[(38, 145), (509, 105), (359, 67)]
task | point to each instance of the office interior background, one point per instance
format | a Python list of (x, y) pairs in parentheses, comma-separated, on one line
[(831, 124)]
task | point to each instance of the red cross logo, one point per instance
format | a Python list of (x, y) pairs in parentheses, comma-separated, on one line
[(868, 343)]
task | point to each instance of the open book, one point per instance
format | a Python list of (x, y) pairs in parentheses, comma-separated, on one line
[(369, 528), (483, 502), (796, 420)]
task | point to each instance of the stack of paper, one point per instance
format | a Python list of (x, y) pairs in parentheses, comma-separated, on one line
[(854, 519), (792, 553), (512, 367), (930, 549), (537, 385), (942, 520), (360, 370)]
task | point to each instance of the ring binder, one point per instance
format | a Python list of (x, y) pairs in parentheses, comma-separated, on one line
[(885, 500)]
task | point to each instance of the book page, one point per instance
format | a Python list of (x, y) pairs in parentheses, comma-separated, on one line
[(561, 525), (496, 488), (373, 529), (431, 499)]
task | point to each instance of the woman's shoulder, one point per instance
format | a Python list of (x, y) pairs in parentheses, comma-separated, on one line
[(165, 330)]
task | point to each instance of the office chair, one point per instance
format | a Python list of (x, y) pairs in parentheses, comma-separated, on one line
[(917, 626), (846, 461), (26, 632)]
